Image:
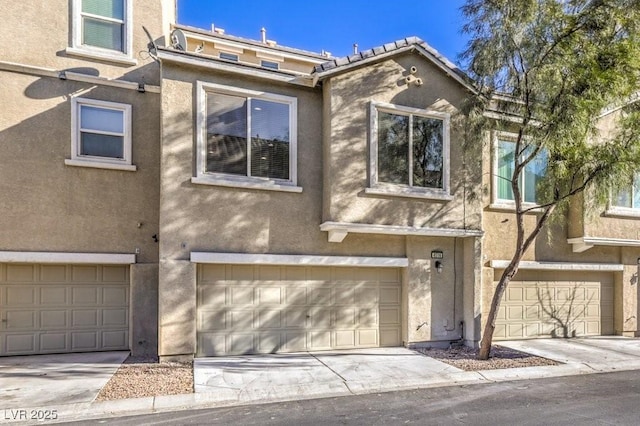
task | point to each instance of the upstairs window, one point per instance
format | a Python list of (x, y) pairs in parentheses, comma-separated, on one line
[(246, 135), (629, 197), (229, 56), (409, 149), (101, 134), (102, 29), (530, 177)]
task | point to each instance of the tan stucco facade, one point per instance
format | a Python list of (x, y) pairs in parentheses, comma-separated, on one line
[(442, 247)]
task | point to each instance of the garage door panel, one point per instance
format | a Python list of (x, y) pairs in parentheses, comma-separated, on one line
[(63, 308), (53, 273), (556, 308), (53, 296), (270, 319), (21, 296), (310, 308)]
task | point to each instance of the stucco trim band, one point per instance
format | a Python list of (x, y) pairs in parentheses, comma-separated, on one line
[(581, 244), (339, 230), (297, 260), (560, 266), (58, 257), (74, 76)]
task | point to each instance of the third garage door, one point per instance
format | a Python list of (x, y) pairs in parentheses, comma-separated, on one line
[(266, 309), (556, 304)]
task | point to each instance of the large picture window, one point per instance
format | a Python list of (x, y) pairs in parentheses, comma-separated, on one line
[(628, 197), (247, 136), (530, 178), (410, 149)]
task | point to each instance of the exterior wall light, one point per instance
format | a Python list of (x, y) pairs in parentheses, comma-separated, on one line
[(439, 266)]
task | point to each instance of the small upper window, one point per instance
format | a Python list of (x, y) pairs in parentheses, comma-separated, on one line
[(410, 149), (229, 56), (102, 28), (101, 134), (530, 178), (246, 136), (628, 197), (270, 64)]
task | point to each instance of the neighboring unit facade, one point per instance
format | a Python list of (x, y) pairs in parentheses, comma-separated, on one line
[(213, 195), (80, 149)]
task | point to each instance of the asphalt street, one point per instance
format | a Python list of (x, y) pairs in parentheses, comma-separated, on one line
[(594, 399)]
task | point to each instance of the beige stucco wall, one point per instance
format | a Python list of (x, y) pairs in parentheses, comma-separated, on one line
[(196, 217), (40, 33), (347, 101)]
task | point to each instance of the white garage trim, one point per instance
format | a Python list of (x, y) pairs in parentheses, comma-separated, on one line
[(298, 260), (559, 266), (75, 258)]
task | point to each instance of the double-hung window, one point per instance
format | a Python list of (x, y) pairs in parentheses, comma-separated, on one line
[(530, 177), (102, 28), (246, 138), (100, 134), (409, 151)]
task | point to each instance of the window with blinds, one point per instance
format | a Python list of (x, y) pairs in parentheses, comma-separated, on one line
[(247, 134), (103, 24)]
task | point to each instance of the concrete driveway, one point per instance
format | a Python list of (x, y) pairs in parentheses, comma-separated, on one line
[(44, 380)]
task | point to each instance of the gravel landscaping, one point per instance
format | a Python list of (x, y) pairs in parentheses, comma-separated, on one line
[(139, 377), (465, 358)]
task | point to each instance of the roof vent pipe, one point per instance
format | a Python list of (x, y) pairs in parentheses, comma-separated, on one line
[(263, 33), (355, 48)]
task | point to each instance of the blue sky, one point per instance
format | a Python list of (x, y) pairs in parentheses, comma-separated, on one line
[(333, 25)]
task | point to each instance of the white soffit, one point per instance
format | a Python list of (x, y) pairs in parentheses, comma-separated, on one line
[(59, 257), (559, 266), (298, 260), (338, 230), (585, 243)]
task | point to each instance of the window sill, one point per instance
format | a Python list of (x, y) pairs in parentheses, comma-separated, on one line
[(121, 59), (409, 193), (248, 184), (511, 207), (100, 165), (623, 212)]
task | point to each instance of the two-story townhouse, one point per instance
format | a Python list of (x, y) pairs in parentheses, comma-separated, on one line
[(79, 176), (308, 203)]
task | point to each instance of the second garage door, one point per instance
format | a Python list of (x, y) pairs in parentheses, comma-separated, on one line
[(63, 308), (267, 309), (547, 304)]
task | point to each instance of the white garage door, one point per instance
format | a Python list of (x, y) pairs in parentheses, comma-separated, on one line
[(556, 305), (63, 308), (266, 309)]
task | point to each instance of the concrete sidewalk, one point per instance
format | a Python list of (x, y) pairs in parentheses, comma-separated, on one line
[(271, 378)]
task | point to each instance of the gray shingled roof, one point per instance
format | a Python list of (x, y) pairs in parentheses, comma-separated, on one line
[(335, 65)]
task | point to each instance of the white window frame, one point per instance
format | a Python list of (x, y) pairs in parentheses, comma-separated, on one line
[(613, 210), (255, 182), (93, 161), (385, 188), (78, 49), (226, 56), (500, 203)]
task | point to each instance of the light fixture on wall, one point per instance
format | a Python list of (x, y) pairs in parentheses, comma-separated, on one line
[(439, 266)]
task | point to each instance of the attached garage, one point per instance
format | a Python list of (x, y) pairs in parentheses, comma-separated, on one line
[(58, 308), (243, 309), (556, 304)]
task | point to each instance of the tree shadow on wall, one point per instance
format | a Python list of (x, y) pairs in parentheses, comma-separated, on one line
[(564, 312)]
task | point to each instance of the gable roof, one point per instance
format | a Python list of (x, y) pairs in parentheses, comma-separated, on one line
[(409, 44)]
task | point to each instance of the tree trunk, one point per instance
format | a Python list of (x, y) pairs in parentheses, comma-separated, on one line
[(487, 335)]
